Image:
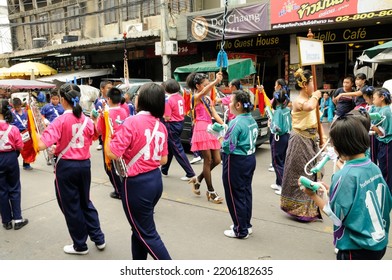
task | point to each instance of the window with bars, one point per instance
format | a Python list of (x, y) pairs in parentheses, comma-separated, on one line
[(110, 14), (57, 26), (180, 6), (130, 9), (74, 22), (43, 28), (33, 28), (150, 8)]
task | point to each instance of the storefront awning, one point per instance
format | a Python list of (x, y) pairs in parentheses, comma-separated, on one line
[(236, 69), (19, 84), (70, 76)]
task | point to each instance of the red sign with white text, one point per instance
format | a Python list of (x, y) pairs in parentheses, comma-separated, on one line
[(294, 13)]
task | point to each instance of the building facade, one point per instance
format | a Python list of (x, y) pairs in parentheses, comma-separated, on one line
[(75, 34)]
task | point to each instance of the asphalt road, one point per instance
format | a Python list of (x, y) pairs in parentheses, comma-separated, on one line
[(190, 226)]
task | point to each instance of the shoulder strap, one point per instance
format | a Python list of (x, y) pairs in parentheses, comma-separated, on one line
[(19, 119), (4, 137), (206, 105), (144, 149), (76, 136)]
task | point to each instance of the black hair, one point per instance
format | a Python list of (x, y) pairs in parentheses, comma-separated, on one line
[(280, 98), (54, 92), (171, 86), (194, 79), (236, 83), (5, 110), (16, 102), (361, 76), (284, 85), (302, 78), (71, 94), (369, 91), (115, 95), (104, 83), (350, 133), (384, 92), (351, 78), (244, 98), (151, 99)]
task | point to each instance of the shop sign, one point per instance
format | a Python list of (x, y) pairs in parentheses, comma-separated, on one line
[(297, 13), (349, 34), (240, 22)]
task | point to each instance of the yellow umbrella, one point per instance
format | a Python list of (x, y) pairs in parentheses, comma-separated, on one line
[(4, 72), (30, 68)]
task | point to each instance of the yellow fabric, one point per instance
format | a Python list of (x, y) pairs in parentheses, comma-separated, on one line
[(303, 120), (106, 136), (33, 129)]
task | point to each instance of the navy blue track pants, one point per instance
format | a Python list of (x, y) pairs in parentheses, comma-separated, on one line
[(141, 194), (72, 182), (237, 178)]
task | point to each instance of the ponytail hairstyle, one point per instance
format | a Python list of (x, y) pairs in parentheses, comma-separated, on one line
[(384, 92), (284, 86), (5, 110), (71, 94), (280, 98), (244, 98), (194, 79), (236, 83)]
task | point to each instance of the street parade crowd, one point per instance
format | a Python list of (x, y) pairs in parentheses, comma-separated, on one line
[(139, 138)]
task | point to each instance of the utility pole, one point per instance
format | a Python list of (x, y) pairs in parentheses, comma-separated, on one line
[(166, 63)]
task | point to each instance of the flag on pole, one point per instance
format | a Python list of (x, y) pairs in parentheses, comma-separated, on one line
[(213, 93), (261, 101), (187, 101), (106, 134)]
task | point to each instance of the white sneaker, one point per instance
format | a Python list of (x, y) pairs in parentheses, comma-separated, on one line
[(250, 230), (336, 251), (279, 190), (99, 147), (275, 187), (101, 247), (271, 169), (185, 178), (195, 160), (69, 249), (230, 233)]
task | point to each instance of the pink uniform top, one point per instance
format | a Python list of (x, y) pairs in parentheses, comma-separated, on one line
[(174, 107), (201, 110), (226, 101), (13, 141), (61, 131), (117, 115), (126, 108), (132, 136)]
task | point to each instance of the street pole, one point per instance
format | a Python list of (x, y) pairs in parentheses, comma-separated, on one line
[(166, 63)]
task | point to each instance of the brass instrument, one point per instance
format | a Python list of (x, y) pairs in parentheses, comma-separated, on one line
[(40, 127)]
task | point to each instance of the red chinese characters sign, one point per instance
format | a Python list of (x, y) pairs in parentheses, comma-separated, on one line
[(294, 13)]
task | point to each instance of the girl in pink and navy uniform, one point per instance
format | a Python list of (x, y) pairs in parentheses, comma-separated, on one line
[(73, 132), (174, 122), (142, 143), (117, 115), (203, 141), (10, 189)]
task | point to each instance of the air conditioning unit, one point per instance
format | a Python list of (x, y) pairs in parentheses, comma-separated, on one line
[(171, 47), (69, 38), (134, 27), (55, 42), (39, 42)]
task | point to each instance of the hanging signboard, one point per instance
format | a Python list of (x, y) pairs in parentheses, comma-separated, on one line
[(240, 22), (297, 13), (311, 51)]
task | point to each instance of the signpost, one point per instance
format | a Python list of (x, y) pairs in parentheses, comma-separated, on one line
[(311, 52)]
